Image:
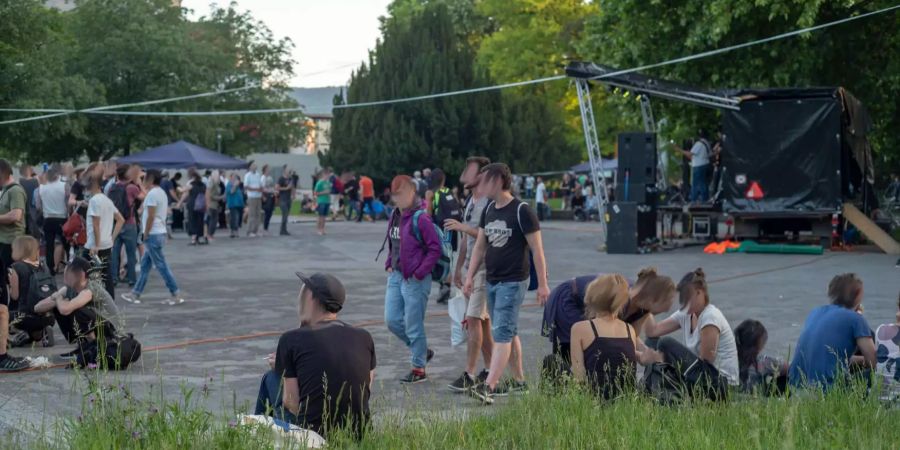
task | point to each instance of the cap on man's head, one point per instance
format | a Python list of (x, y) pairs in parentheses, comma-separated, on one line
[(325, 288)]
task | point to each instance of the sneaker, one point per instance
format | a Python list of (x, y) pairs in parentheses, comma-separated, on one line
[(131, 297), (511, 387), (13, 364), (482, 392), (284, 233), (174, 300), (20, 339), (482, 377), (72, 355), (463, 383), (414, 376), (48, 340), (429, 356), (444, 295)]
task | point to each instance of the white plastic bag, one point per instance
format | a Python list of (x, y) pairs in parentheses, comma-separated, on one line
[(456, 308)]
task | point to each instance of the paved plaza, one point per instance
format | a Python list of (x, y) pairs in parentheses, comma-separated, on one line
[(243, 293)]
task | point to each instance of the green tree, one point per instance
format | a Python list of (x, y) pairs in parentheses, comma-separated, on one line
[(421, 55), (861, 56)]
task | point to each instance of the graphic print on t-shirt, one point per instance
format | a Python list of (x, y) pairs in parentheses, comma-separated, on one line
[(497, 233), (395, 232)]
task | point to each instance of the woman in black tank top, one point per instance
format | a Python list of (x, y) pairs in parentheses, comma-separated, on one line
[(603, 347)]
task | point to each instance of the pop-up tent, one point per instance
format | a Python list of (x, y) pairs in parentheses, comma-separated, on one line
[(183, 155)]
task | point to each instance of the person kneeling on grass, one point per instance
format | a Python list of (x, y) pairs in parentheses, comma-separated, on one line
[(757, 371), (29, 283), (323, 371), (83, 308), (706, 333), (603, 348), (832, 334)]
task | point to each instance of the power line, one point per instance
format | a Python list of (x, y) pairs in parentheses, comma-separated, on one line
[(107, 110)]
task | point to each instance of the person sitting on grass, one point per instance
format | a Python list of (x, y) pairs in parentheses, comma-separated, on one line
[(603, 348), (824, 353), (887, 340), (83, 308), (705, 331), (757, 371), (650, 294), (30, 281), (323, 371)]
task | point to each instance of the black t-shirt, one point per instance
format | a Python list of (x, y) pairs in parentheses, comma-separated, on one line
[(505, 228), (23, 272), (331, 362), (284, 196), (578, 202), (351, 189)]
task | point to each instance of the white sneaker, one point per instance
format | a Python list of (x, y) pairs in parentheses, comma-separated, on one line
[(174, 300), (131, 297)]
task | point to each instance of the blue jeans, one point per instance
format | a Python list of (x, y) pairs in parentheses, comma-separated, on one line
[(270, 399), (153, 256), (503, 302), (212, 221), (127, 236), (700, 183), (404, 313), (235, 215)]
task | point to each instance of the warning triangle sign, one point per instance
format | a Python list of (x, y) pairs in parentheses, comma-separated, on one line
[(755, 192)]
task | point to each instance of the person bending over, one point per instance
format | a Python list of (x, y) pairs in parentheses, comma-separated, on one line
[(831, 335), (651, 294), (603, 350), (321, 373), (83, 309), (29, 283), (705, 331), (757, 371)]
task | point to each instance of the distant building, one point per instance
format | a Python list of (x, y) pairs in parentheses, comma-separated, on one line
[(317, 106)]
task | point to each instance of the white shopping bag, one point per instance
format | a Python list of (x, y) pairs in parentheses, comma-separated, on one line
[(457, 310)]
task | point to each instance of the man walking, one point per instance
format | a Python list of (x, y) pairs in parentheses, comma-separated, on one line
[(507, 231), (104, 222), (322, 191), (478, 322), (13, 200), (124, 194), (253, 187), (351, 196), (51, 202), (540, 199), (153, 225), (367, 190), (285, 191)]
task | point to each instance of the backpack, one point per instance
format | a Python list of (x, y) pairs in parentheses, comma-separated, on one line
[(119, 195), (118, 352), (441, 269), (445, 207), (40, 286), (199, 202), (75, 231)]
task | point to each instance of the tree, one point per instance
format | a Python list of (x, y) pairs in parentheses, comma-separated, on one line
[(420, 56), (861, 56)]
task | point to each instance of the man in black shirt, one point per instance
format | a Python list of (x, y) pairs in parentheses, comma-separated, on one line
[(322, 371), (285, 189), (507, 232), (351, 195)]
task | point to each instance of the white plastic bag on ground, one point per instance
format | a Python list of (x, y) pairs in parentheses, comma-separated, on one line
[(298, 436), (456, 308)]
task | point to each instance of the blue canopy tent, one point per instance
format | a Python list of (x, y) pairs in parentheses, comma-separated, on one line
[(585, 167), (183, 155)]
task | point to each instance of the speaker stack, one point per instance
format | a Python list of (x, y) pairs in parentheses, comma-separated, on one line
[(632, 216)]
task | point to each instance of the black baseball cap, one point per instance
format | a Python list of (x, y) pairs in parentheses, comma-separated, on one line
[(325, 288)]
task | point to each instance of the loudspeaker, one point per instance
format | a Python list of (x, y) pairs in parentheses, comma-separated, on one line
[(621, 232), (637, 166)]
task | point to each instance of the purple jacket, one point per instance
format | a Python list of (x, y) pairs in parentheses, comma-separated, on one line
[(416, 259)]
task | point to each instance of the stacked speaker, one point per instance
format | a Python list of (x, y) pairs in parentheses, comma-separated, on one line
[(632, 215)]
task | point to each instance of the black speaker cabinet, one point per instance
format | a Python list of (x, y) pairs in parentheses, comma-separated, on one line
[(630, 227), (637, 166)]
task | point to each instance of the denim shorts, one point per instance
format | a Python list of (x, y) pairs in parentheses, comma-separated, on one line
[(322, 209), (504, 300)]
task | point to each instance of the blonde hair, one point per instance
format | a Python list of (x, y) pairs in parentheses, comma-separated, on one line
[(26, 247), (653, 287), (605, 295)]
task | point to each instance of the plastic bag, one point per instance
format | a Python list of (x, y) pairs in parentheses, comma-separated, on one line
[(457, 310)]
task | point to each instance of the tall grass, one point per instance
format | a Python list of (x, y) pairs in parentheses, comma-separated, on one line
[(113, 418)]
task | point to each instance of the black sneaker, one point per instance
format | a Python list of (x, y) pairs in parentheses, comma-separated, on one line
[(463, 383), (482, 377), (13, 364), (48, 340), (20, 339), (482, 392), (511, 387), (71, 356), (414, 377), (429, 356)]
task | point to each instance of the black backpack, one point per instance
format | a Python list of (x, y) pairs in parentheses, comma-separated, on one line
[(40, 286), (119, 196), (445, 207), (118, 352)]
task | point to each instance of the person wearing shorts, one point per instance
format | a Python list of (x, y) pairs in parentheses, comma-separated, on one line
[(478, 321), (323, 199), (507, 232)]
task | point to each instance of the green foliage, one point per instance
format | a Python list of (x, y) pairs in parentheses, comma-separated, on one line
[(861, 56), (424, 55), (120, 51)]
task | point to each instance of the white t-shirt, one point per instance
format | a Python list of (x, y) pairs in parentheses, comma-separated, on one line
[(700, 152), (726, 353), (53, 199), (253, 180), (158, 198), (100, 206), (540, 193), (529, 182)]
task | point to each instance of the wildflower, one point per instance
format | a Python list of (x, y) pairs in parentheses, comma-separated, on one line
[(135, 434), (232, 424)]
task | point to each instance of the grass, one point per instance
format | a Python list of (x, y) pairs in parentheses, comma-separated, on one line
[(846, 418)]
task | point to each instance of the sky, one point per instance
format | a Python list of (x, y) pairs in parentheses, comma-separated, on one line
[(331, 37)]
